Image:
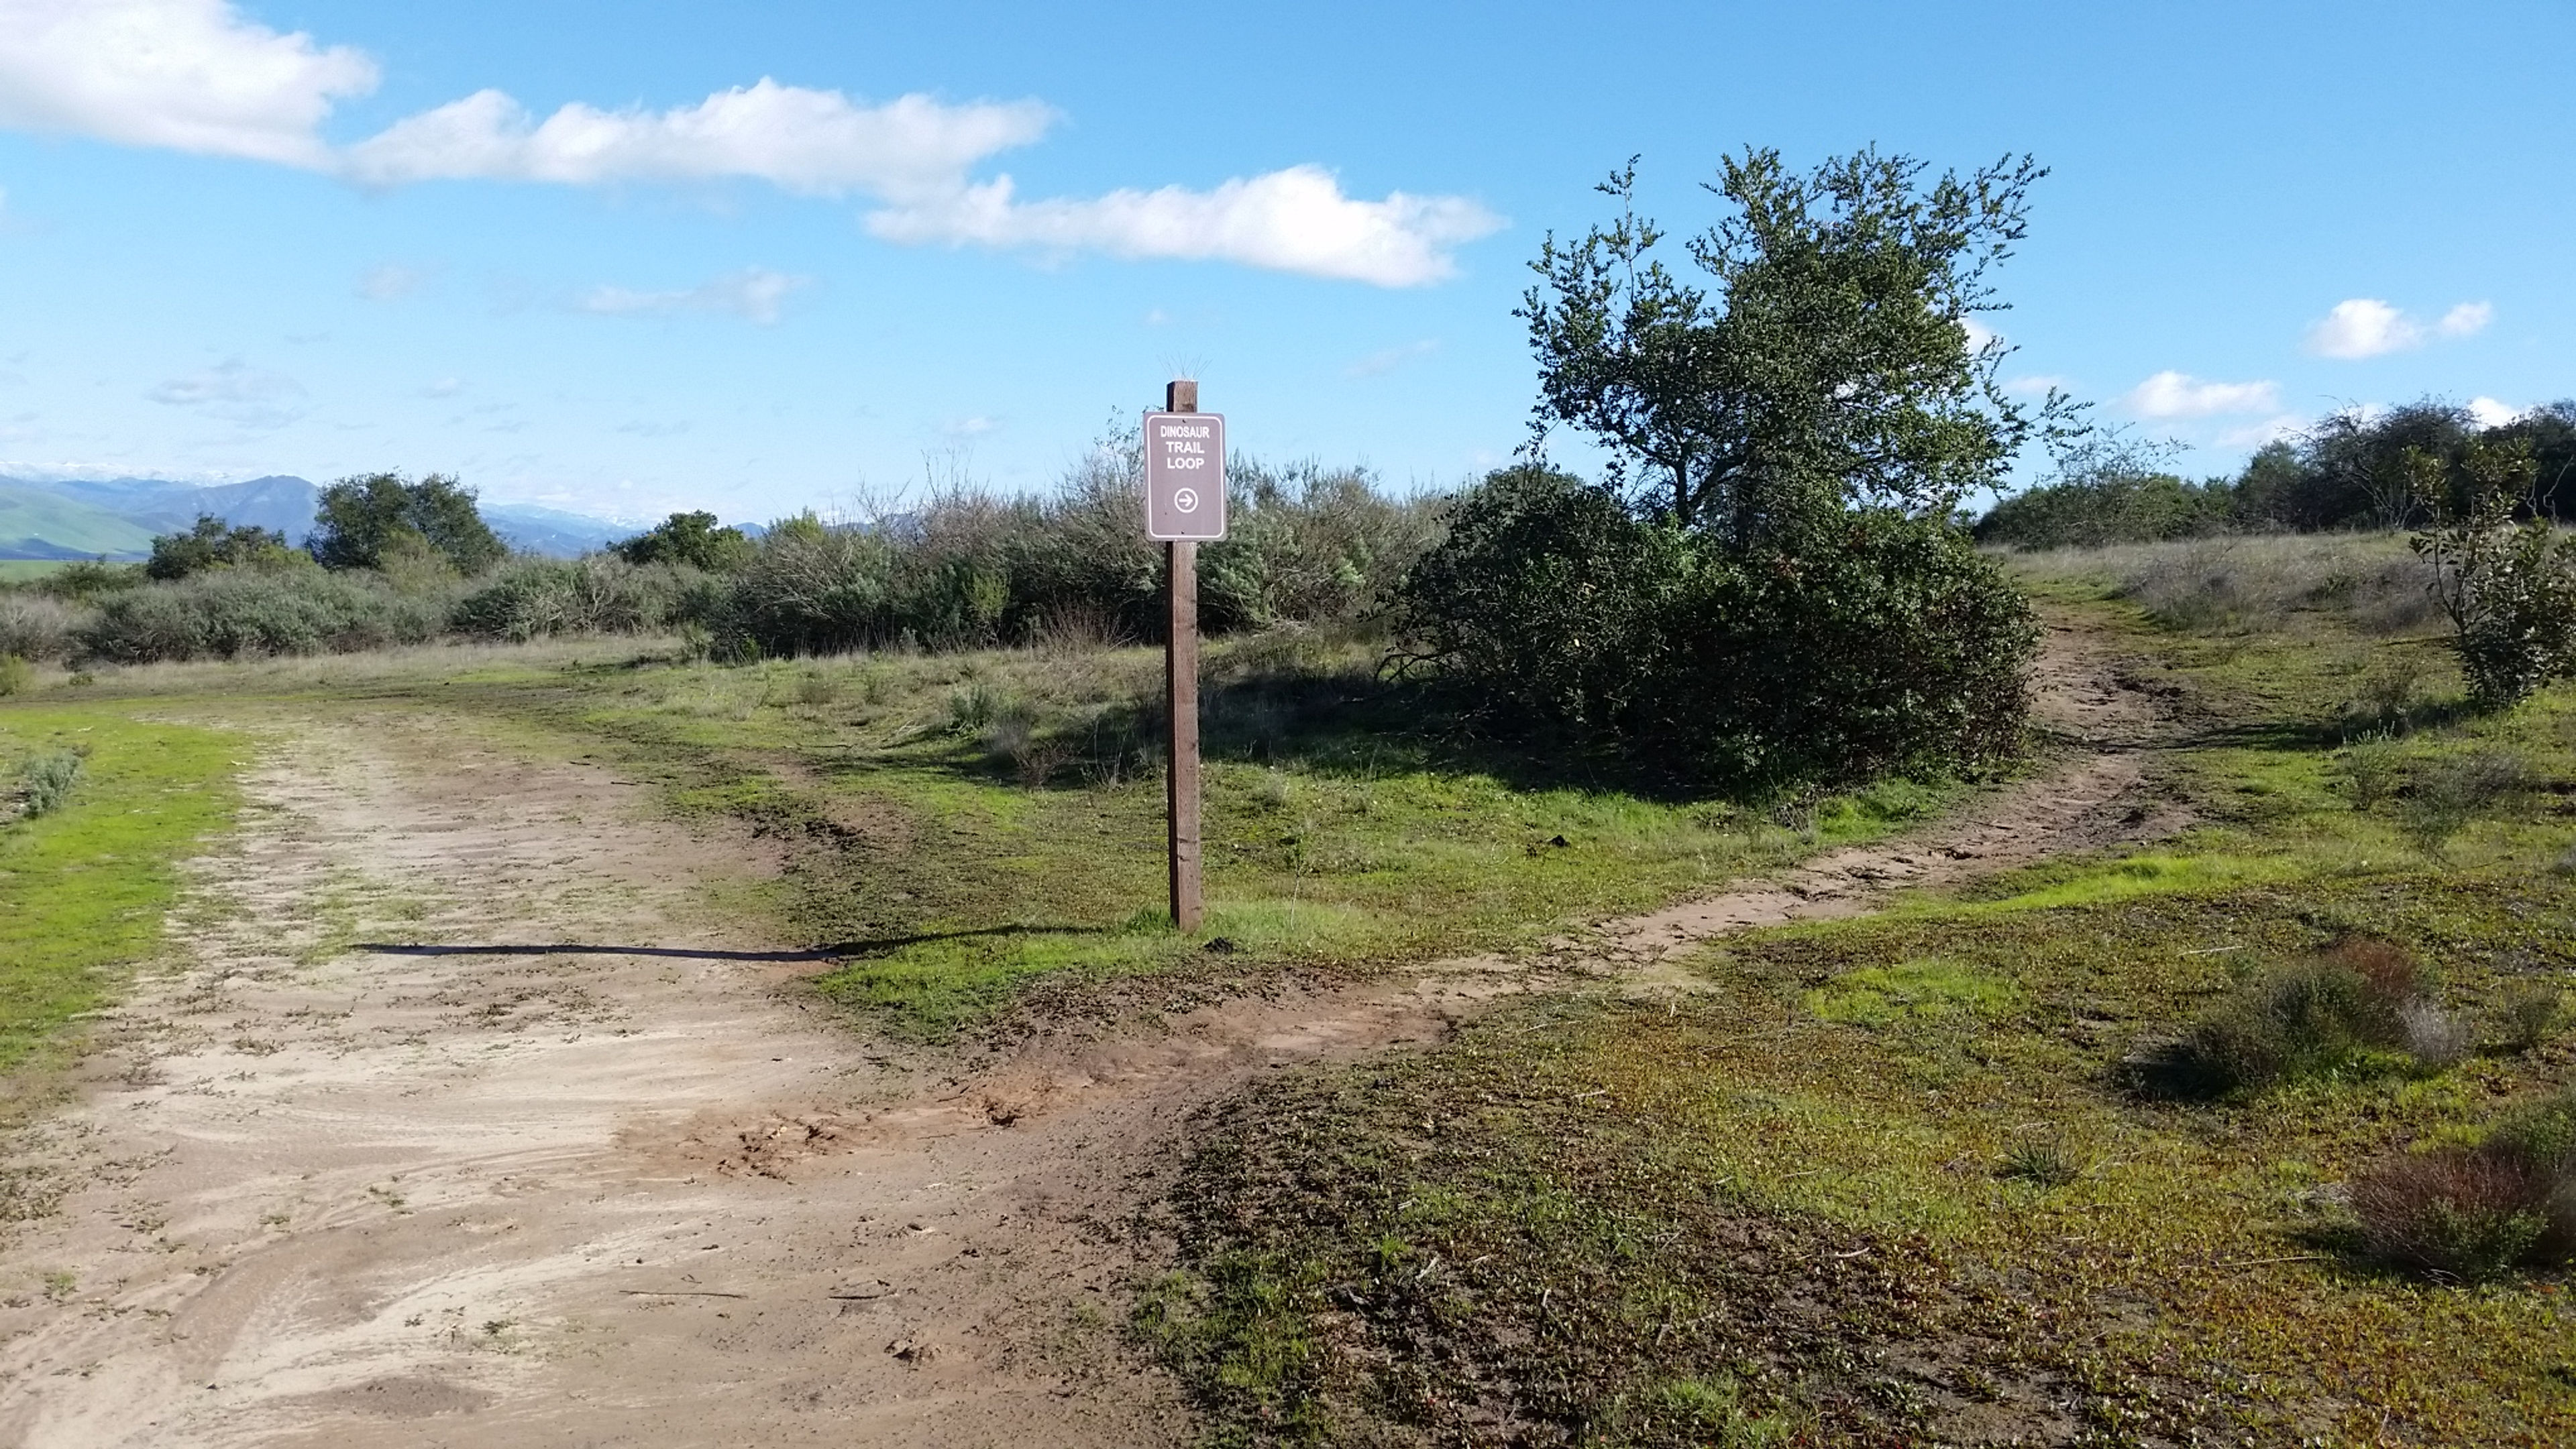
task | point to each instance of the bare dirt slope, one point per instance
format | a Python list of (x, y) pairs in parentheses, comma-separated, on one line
[(616, 1188)]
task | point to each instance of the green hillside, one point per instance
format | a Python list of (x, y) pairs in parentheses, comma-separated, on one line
[(36, 524)]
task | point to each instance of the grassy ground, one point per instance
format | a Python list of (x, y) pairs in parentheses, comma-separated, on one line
[(21, 570), (968, 826), (83, 888), (1885, 1181)]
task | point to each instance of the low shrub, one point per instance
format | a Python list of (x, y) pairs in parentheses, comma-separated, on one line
[(36, 626), (2539, 1133), (2445, 794), (2370, 769), (16, 675), (233, 613), (2475, 1212), (532, 598), (2308, 1018), (2461, 1213), (2530, 1013), (1305, 545), (45, 782)]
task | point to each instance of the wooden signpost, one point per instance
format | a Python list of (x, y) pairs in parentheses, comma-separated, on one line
[(1184, 507)]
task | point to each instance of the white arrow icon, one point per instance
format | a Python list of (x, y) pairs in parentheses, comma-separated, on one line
[(1186, 500)]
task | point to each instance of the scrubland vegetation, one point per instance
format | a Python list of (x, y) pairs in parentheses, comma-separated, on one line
[(2250, 1135), (2257, 1133)]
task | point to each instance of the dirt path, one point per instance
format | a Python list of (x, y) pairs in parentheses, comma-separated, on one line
[(317, 1195)]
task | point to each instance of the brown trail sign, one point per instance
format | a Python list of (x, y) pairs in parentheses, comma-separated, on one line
[(1184, 506)]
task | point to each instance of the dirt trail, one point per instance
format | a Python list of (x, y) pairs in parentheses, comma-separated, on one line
[(319, 1195)]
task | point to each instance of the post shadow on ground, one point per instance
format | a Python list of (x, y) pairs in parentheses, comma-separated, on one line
[(835, 951)]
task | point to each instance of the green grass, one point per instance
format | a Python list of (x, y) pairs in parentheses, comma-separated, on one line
[(84, 888), (1885, 1181), (955, 882), (24, 570)]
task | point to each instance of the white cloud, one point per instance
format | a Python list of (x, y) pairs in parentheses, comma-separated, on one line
[(186, 75), (755, 293), (444, 387), (2360, 327), (1296, 220), (385, 283), (2466, 319), (804, 140), (1980, 336), (196, 75), (2037, 384), (236, 392), (2489, 413), (2269, 430), (2172, 394), (1389, 359)]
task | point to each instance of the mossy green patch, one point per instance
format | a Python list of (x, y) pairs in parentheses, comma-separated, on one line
[(1931, 987), (84, 888)]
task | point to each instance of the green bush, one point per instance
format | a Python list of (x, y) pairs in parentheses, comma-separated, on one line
[(530, 598), (2115, 506), (16, 675), (2462, 1214), (1880, 643), (971, 568), (232, 613), (2474, 1212), (2305, 1019), (45, 782), (2444, 794)]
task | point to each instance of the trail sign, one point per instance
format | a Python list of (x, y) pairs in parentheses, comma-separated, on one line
[(1185, 476)]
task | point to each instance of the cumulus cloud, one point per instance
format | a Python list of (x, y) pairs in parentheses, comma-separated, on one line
[(754, 293), (195, 75), (804, 140), (2492, 414), (185, 75), (1294, 220), (2465, 319), (236, 392), (2172, 394), (2362, 327)]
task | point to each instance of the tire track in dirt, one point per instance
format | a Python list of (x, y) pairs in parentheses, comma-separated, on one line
[(639, 1196)]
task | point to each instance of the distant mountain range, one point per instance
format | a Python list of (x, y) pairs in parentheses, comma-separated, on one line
[(117, 518)]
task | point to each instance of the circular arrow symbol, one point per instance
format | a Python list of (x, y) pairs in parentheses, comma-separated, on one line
[(1186, 500)]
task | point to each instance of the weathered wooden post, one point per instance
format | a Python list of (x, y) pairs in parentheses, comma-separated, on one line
[(1184, 505)]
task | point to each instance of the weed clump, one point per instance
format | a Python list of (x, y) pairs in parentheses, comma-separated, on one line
[(16, 675), (45, 782), (2307, 1019), (2445, 794), (2041, 1162), (2475, 1213), (2531, 1013), (2369, 768)]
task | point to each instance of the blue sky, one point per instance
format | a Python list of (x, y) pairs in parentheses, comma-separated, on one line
[(620, 258)]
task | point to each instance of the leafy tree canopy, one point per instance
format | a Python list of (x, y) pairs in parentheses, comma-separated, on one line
[(1827, 363), (360, 519), (214, 544), (689, 538)]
